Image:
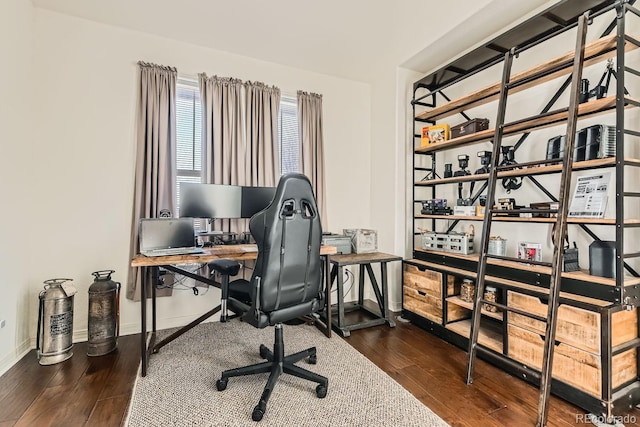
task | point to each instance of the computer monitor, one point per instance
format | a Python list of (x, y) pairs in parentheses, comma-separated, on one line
[(255, 199), (213, 201)]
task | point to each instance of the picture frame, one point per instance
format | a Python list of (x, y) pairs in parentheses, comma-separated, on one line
[(435, 133)]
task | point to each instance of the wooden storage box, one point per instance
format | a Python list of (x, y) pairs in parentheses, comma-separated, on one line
[(471, 126), (571, 365), (422, 291), (576, 326)]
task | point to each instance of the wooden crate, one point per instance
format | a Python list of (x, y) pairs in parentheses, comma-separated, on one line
[(577, 327), (624, 326), (422, 291), (423, 304), (571, 365), (428, 281)]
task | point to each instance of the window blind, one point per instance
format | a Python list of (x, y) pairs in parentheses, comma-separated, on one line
[(288, 131)]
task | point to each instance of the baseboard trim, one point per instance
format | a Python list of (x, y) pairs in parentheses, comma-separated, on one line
[(14, 356)]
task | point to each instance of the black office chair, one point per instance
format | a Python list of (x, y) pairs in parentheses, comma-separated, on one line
[(285, 285)]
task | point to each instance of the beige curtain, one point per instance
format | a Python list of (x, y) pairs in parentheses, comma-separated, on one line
[(311, 146), (240, 140), (262, 158), (155, 168)]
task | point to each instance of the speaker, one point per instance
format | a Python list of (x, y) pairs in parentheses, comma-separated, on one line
[(602, 259)]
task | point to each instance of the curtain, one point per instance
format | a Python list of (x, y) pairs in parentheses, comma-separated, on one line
[(155, 167), (262, 159), (240, 139), (311, 146)]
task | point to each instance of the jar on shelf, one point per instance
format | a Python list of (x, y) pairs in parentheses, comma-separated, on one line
[(497, 246), (466, 290), (491, 295)]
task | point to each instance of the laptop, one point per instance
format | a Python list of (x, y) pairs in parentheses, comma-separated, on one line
[(167, 236)]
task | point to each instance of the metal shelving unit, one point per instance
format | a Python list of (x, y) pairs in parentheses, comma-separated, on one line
[(611, 299)]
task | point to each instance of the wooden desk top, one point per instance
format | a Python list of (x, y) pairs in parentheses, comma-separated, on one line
[(236, 252), (350, 259)]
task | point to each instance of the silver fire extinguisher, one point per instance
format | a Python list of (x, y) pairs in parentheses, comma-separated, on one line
[(104, 314), (54, 341)]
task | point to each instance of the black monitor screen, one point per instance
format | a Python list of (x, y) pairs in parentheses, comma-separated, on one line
[(210, 200), (255, 199)]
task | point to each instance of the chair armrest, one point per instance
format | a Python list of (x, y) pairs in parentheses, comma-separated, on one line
[(225, 267)]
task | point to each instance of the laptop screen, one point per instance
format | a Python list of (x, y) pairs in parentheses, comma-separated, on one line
[(166, 233)]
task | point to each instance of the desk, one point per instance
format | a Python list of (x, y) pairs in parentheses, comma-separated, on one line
[(364, 261), (235, 252)]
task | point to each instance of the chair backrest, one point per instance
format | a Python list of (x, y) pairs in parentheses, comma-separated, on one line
[(288, 234)]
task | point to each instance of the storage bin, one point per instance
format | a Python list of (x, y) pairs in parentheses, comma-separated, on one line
[(363, 241)]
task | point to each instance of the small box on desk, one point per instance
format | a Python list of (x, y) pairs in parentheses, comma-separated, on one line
[(363, 241)]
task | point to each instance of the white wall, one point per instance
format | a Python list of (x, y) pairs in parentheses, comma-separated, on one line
[(16, 175), (87, 86)]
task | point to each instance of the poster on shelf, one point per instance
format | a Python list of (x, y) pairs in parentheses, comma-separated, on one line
[(590, 196)]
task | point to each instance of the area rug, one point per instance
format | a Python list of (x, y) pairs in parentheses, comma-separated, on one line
[(180, 390)]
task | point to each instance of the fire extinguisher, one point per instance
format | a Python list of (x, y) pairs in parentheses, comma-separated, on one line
[(54, 341), (104, 314)]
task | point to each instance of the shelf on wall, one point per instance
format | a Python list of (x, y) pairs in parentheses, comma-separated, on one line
[(490, 337), (596, 51), (593, 221), (549, 119), (532, 170)]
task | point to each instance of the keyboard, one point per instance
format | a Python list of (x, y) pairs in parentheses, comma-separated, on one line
[(173, 251)]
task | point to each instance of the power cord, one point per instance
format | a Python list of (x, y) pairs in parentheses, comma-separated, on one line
[(349, 280)]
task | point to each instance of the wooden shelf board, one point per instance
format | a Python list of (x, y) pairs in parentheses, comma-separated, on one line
[(487, 336), (592, 221), (579, 275), (596, 51), (469, 305), (531, 170), (537, 122)]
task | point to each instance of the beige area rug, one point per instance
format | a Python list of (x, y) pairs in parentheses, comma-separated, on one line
[(180, 390)]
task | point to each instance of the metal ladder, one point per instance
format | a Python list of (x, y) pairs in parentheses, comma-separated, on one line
[(558, 235)]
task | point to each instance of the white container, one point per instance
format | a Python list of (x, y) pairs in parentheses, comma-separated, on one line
[(363, 241)]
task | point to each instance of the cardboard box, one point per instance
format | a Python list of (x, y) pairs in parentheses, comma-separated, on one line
[(433, 134)]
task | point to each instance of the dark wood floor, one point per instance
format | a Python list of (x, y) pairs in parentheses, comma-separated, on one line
[(84, 391)]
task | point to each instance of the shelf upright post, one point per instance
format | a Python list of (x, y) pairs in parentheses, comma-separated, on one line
[(561, 225), (486, 225)]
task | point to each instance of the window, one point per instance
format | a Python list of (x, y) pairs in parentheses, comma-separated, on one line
[(189, 135), (288, 131)]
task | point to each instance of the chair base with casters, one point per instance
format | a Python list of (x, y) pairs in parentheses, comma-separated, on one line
[(277, 363)]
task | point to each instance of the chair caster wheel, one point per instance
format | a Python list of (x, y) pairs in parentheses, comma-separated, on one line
[(221, 384), (264, 351), (313, 359), (257, 413), (321, 391)]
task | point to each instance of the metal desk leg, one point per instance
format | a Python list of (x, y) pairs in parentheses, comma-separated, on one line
[(143, 319), (327, 281), (361, 286), (376, 289), (385, 295), (340, 302)]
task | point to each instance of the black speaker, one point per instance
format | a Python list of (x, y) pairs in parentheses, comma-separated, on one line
[(602, 259)]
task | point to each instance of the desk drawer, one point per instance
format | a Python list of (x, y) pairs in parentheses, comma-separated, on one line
[(577, 327), (422, 303), (427, 281), (571, 365)]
